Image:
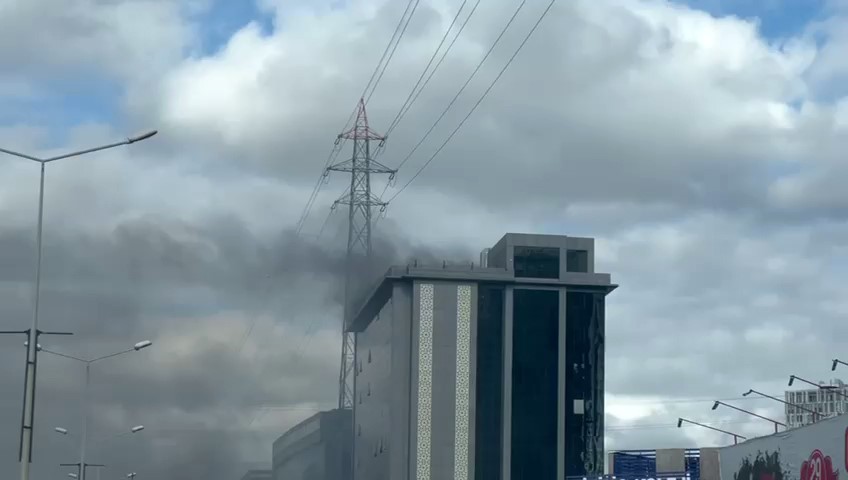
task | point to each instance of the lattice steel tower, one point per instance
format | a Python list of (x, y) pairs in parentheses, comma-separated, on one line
[(361, 202)]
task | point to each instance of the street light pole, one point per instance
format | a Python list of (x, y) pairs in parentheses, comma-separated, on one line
[(836, 362), (736, 436), (85, 407), (775, 422), (816, 415), (32, 353), (826, 388)]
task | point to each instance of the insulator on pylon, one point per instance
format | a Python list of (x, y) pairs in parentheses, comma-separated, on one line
[(383, 142), (338, 139)]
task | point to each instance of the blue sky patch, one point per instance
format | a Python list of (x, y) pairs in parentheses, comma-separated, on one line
[(226, 17), (778, 18), (63, 103)]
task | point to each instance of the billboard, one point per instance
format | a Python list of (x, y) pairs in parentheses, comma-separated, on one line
[(814, 452)]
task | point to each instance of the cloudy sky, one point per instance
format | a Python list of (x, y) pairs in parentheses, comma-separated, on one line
[(702, 143)]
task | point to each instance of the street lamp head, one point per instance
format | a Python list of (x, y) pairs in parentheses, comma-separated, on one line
[(138, 346), (37, 346), (143, 136), (63, 431), (833, 367), (716, 404), (72, 475), (679, 422), (137, 429), (748, 393), (791, 380)]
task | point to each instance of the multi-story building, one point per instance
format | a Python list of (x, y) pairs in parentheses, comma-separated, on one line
[(493, 372), (827, 401), (317, 448)]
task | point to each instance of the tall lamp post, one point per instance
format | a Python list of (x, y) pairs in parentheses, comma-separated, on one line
[(775, 422), (826, 388), (736, 436), (83, 441), (816, 415), (29, 378), (80, 466), (836, 362)]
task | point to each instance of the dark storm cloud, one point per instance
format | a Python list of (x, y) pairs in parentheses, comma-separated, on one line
[(156, 277)]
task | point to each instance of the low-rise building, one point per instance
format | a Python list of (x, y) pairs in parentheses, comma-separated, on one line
[(257, 475), (318, 448)]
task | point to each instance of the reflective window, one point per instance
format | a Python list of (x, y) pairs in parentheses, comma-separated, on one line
[(534, 384), (577, 261), (536, 262)]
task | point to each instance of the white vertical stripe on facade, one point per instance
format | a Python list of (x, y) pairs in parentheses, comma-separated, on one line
[(463, 382), (425, 382)]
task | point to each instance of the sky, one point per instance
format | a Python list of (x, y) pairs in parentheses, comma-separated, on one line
[(701, 143)]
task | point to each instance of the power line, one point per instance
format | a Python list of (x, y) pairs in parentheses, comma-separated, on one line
[(386, 50), (485, 94), (394, 48), (412, 93), (465, 85)]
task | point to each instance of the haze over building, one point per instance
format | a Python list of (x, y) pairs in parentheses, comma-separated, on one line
[(461, 369)]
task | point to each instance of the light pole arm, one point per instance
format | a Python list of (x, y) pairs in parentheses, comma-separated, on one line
[(21, 155), (775, 422), (836, 362), (736, 436), (104, 357), (87, 150), (70, 357), (815, 414), (823, 388)]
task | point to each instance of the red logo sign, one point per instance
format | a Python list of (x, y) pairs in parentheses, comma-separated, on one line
[(818, 467)]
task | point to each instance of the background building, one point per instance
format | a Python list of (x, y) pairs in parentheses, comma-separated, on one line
[(257, 475), (317, 448), (488, 373), (691, 463), (827, 402)]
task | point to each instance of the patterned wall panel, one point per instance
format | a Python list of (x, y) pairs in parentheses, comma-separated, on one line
[(425, 381), (463, 380)]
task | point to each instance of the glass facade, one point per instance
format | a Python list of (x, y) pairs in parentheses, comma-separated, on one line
[(489, 415), (584, 383), (534, 384)]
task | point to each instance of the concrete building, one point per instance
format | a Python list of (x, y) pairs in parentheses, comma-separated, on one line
[(486, 373), (317, 448), (257, 475), (827, 402)]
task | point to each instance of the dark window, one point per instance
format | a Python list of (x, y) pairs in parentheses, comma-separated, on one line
[(536, 262), (584, 384), (534, 384), (489, 387), (577, 261)]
